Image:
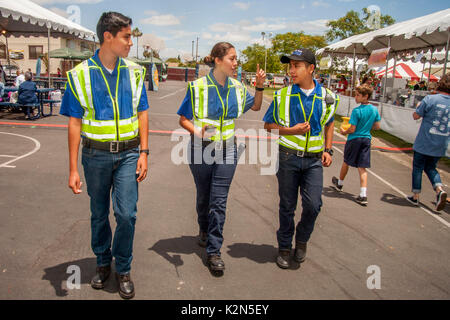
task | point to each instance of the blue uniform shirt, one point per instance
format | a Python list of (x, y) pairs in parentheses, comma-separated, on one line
[(432, 138), (186, 105), (296, 114), (363, 117), (71, 107)]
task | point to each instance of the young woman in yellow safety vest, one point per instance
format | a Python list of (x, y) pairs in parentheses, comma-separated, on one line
[(208, 112)]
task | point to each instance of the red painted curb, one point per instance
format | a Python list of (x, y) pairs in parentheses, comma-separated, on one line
[(183, 133)]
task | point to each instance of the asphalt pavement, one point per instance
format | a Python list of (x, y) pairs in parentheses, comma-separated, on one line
[(387, 250)]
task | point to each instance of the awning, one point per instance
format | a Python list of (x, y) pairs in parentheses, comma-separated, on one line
[(404, 71), (26, 18), (425, 33)]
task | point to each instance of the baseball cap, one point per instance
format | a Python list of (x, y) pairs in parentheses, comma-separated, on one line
[(300, 55)]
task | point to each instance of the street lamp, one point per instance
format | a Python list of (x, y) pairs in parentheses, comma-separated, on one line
[(265, 55)]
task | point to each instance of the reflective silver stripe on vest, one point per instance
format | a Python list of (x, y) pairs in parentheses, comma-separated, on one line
[(292, 144), (324, 104), (129, 134), (315, 138), (303, 138), (77, 84), (315, 148), (205, 99), (197, 103), (287, 107), (87, 82), (104, 123), (99, 136)]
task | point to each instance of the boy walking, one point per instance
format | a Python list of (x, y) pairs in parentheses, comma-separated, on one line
[(357, 148), (106, 103)]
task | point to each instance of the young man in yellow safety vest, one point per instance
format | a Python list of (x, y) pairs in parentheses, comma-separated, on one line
[(303, 114), (107, 104)]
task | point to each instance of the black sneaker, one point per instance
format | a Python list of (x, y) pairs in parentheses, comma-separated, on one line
[(441, 199), (362, 200), (336, 185), (412, 200)]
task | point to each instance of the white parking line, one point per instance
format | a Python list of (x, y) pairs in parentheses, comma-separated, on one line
[(171, 94), (398, 190), (15, 158)]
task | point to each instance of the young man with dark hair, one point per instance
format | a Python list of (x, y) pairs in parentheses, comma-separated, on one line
[(431, 141), (364, 118), (303, 114), (107, 105)]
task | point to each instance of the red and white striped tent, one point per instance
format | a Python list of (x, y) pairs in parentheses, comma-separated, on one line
[(402, 70)]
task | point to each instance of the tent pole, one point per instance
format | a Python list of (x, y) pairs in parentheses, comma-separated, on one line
[(395, 66), (386, 73), (48, 53), (429, 71), (7, 58), (446, 53), (353, 71)]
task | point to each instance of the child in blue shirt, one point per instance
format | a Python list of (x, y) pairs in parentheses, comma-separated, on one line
[(357, 148)]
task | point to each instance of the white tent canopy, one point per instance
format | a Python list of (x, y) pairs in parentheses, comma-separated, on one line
[(425, 33), (26, 18)]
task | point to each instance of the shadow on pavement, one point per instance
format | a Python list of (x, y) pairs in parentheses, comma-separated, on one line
[(395, 200), (400, 201), (181, 245), (330, 192), (57, 275), (260, 253)]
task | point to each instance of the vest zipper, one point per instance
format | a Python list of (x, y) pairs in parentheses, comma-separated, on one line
[(117, 118)]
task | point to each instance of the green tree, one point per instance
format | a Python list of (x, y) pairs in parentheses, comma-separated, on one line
[(137, 33), (287, 42), (254, 54), (351, 24)]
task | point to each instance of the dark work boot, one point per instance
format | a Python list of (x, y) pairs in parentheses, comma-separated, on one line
[(101, 275), (283, 258), (300, 251), (126, 286), (215, 263), (202, 239)]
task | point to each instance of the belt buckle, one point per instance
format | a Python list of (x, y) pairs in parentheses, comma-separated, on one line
[(114, 146), (300, 153)]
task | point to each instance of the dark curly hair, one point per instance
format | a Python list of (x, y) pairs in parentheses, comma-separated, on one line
[(444, 84)]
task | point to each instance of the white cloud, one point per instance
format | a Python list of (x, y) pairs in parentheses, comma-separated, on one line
[(242, 5), (66, 1), (177, 34), (320, 4), (314, 27), (160, 20), (265, 27), (223, 27)]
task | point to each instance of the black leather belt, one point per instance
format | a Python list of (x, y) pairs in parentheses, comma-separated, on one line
[(112, 146), (224, 143), (301, 154)]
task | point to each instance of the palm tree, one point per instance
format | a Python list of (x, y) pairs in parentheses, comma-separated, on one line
[(137, 33)]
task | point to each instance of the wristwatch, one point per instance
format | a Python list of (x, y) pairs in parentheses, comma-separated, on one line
[(329, 151), (145, 151), (259, 89)]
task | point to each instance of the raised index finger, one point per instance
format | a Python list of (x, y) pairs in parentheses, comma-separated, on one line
[(257, 68)]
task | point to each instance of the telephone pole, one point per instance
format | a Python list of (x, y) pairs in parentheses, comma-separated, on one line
[(196, 52)]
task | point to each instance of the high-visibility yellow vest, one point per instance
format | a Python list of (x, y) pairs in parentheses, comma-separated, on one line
[(306, 142), (116, 129), (199, 99)]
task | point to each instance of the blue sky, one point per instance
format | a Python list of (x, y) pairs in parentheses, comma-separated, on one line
[(172, 25)]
